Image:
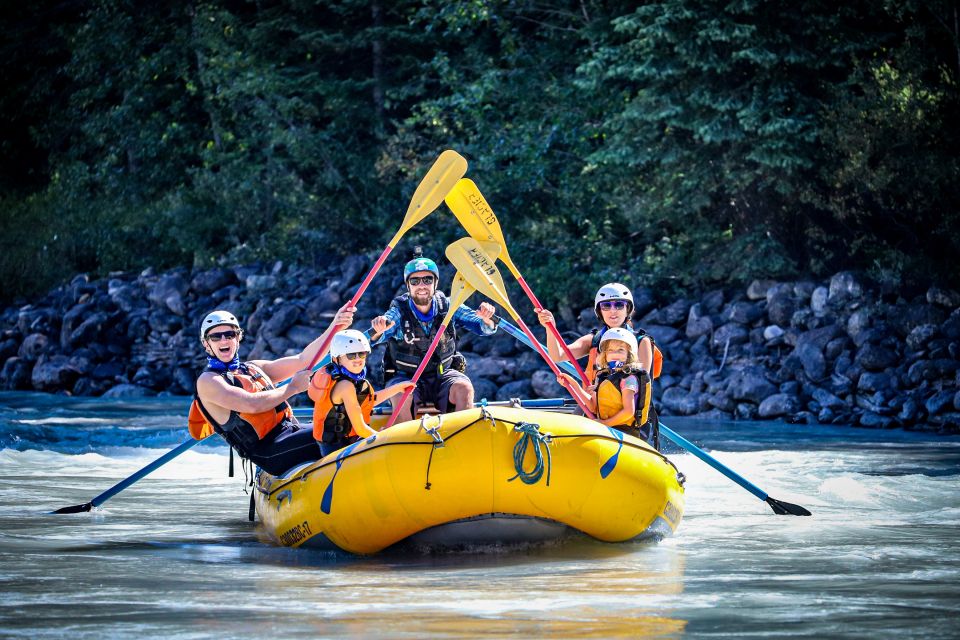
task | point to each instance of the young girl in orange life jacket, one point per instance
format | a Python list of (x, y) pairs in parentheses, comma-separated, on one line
[(620, 397), (343, 397)]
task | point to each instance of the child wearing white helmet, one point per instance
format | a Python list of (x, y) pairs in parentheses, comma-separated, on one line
[(613, 306), (343, 397), (621, 396)]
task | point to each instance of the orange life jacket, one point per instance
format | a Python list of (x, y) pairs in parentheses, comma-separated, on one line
[(241, 429), (655, 367), (330, 421)]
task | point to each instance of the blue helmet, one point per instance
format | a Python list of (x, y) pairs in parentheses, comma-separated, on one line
[(421, 264)]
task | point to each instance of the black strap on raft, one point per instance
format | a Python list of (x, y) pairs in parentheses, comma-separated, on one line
[(252, 512), (230, 468)]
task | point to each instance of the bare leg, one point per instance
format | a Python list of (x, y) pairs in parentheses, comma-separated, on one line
[(461, 395)]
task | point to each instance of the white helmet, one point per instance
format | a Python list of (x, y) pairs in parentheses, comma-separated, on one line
[(623, 335), (215, 319), (612, 291), (348, 341)]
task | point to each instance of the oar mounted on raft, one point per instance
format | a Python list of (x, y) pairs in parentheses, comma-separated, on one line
[(779, 507)]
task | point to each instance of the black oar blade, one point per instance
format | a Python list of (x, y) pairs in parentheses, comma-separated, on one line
[(77, 508), (786, 509)]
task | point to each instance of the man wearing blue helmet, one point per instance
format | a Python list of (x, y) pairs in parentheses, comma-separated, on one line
[(410, 325)]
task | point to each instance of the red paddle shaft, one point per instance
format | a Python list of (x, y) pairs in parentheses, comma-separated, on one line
[(553, 329), (417, 374), (353, 302)]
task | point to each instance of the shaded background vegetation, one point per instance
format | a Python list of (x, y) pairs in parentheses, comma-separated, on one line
[(679, 144)]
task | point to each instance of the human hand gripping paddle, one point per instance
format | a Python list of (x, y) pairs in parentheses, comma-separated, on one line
[(460, 290), (779, 507), (479, 220), (441, 177), (480, 270)]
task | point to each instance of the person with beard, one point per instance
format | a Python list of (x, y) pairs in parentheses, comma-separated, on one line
[(240, 401), (410, 325)]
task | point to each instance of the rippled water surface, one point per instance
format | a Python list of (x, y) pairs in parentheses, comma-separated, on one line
[(174, 556)]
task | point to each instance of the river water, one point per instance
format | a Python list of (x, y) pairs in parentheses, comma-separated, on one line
[(174, 556)]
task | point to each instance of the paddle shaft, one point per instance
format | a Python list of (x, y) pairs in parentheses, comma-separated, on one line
[(419, 372), (533, 342), (551, 327), (356, 298), (672, 435)]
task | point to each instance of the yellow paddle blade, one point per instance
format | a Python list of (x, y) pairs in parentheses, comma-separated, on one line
[(449, 167), (460, 290), (477, 217), (473, 261)]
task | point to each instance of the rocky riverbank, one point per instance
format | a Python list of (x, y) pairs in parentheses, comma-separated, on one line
[(831, 352)]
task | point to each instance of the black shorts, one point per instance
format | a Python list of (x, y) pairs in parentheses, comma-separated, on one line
[(433, 389)]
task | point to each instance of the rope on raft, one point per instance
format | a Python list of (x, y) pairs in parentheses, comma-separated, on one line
[(531, 434)]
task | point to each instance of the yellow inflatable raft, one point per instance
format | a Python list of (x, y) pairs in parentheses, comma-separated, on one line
[(485, 475)]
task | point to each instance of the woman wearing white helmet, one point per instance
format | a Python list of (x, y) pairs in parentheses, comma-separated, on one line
[(343, 397), (621, 396), (613, 306), (239, 400)]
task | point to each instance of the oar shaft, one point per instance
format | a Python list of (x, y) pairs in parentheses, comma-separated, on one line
[(354, 300), (553, 365), (419, 372), (682, 442), (159, 462), (551, 327)]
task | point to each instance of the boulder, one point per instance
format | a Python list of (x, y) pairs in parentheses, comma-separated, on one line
[(920, 335), (947, 298), (211, 280), (712, 301), (128, 391), (516, 389), (680, 401), (779, 404), (744, 312), (34, 345), (731, 332), (818, 301), (757, 290), (938, 402), (260, 284), (698, 324), (53, 373), (483, 389), (15, 374), (875, 357), (780, 308), (846, 285), (750, 385), (812, 360), (168, 292), (282, 318), (545, 385), (871, 382)]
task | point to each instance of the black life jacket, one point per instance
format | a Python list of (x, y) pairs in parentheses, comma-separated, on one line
[(406, 353), (243, 431)]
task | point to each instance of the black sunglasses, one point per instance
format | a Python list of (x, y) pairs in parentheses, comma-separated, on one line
[(221, 335), (415, 280)]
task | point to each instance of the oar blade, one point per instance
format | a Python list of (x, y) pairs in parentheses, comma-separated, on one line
[(77, 508), (475, 215), (475, 264), (782, 508), (449, 167)]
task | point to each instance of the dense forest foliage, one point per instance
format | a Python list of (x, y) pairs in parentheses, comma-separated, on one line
[(679, 144)]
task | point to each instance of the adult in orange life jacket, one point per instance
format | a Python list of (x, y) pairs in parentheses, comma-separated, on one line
[(343, 397), (613, 306), (240, 401), (621, 396)]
